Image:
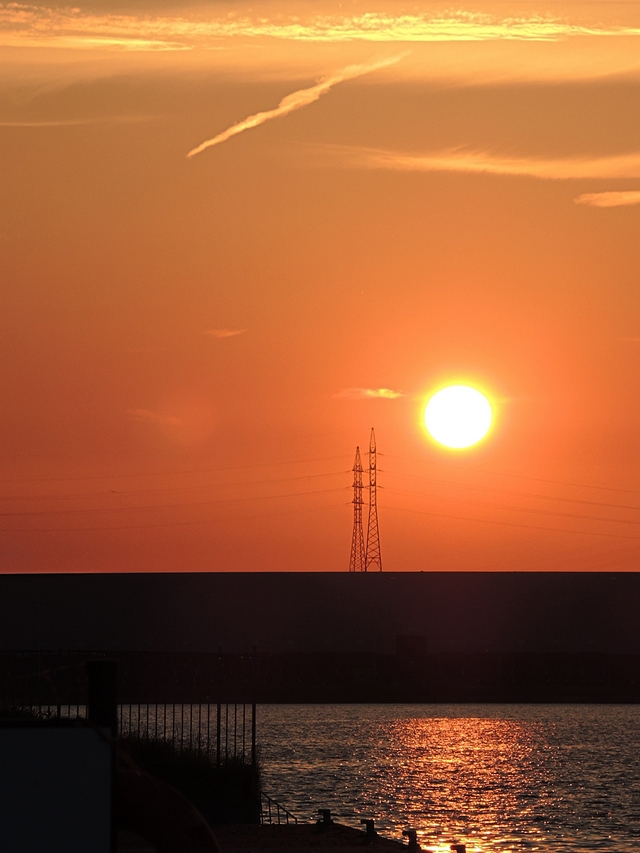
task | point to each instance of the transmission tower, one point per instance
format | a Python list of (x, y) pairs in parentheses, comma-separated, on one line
[(372, 557), (356, 563)]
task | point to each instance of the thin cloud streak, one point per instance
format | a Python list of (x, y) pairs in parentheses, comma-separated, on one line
[(224, 333), (75, 122), (368, 393), (485, 162), (609, 199), (295, 101), (22, 24)]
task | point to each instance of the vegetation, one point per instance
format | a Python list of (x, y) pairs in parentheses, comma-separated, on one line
[(229, 793)]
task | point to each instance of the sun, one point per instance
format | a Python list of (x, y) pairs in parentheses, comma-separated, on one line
[(458, 416)]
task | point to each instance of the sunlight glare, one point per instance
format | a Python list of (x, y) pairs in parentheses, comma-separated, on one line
[(458, 416)]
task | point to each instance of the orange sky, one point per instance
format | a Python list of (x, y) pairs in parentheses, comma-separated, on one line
[(191, 345)]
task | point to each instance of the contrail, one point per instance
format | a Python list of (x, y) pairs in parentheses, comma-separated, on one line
[(295, 101)]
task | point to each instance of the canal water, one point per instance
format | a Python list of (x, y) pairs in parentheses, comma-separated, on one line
[(562, 778)]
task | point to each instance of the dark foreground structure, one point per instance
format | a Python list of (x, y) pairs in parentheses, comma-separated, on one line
[(340, 637)]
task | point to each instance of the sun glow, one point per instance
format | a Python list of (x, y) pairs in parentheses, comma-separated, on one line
[(458, 416)]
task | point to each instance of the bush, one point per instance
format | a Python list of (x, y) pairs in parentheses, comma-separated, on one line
[(229, 793)]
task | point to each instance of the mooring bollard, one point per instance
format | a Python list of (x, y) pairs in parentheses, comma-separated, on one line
[(412, 835), (370, 828), (325, 819)]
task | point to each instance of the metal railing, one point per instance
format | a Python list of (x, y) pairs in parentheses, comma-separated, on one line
[(273, 812), (56, 681), (54, 685), (223, 732)]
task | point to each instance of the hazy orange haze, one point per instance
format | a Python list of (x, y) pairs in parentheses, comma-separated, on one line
[(193, 347)]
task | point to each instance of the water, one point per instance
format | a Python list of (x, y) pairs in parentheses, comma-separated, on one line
[(496, 777)]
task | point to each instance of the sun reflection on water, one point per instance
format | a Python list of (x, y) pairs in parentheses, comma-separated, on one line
[(496, 778), (460, 773)]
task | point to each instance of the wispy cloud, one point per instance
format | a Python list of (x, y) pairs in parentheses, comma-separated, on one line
[(73, 122), (62, 44), (486, 162), (368, 393), (224, 333), (148, 416), (295, 101), (22, 24), (461, 26), (609, 199)]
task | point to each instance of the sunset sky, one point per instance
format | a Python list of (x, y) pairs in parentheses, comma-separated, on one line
[(234, 237)]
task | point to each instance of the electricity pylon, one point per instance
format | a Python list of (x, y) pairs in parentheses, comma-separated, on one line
[(356, 563), (372, 557)]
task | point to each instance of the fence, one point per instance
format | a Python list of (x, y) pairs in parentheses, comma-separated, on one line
[(54, 684), (55, 681), (222, 731)]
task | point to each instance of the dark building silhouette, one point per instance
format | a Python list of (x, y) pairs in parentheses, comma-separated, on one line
[(323, 612), (341, 636)]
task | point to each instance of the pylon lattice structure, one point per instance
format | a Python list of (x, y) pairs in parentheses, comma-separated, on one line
[(356, 563), (372, 556)]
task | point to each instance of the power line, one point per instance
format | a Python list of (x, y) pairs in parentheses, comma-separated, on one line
[(112, 492), (515, 524), (521, 476), (518, 509), (164, 506), (165, 473), (515, 494), (572, 554), (163, 524), (623, 552)]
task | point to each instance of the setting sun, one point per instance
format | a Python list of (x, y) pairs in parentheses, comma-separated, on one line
[(458, 416)]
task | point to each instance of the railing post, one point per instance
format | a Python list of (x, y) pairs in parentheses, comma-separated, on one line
[(254, 760), (218, 733), (102, 694)]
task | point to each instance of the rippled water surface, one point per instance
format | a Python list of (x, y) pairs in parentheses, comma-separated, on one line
[(497, 777)]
